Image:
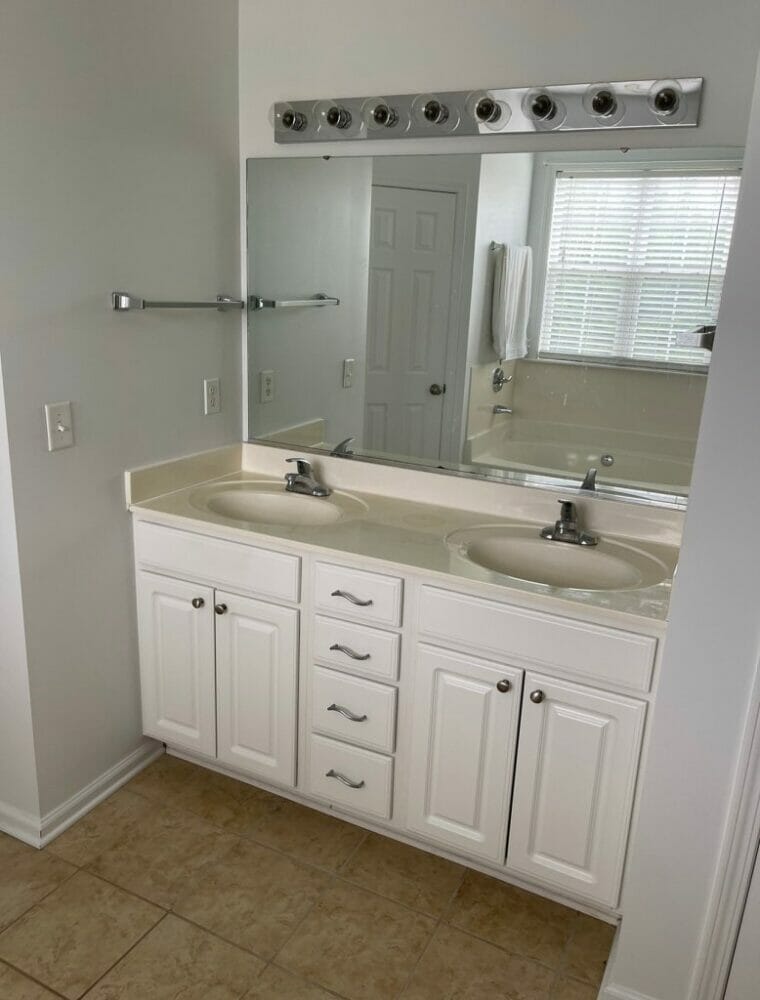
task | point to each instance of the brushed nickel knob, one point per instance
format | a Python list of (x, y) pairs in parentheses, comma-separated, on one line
[(221, 609), (503, 686), (198, 602), (537, 697)]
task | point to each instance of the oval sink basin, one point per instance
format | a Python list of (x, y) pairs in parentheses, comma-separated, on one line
[(518, 551), (263, 503)]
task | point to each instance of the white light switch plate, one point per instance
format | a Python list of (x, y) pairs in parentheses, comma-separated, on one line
[(60, 430), (212, 401)]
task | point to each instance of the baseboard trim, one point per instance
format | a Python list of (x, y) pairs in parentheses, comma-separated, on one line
[(19, 824), (63, 816), (614, 992)]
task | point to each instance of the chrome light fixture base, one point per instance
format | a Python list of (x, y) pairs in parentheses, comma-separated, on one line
[(574, 107)]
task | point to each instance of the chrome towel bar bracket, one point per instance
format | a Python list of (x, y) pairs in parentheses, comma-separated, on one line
[(125, 302)]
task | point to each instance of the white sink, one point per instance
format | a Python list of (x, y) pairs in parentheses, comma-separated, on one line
[(518, 551), (261, 502)]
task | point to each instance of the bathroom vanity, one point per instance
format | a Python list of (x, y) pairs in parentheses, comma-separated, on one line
[(353, 653)]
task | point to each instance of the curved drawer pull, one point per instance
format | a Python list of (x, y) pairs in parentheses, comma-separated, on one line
[(347, 713), (332, 773), (336, 646), (351, 598)]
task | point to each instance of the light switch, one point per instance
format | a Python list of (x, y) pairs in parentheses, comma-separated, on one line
[(60, 430), (348, 372)]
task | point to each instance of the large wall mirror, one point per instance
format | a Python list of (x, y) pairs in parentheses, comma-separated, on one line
[(521, 315)]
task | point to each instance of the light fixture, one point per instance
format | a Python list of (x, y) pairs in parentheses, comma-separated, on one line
[(566, 107)]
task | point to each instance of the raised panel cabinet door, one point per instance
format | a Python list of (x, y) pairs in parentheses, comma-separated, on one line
[(576, 772), (465, 716), (256, 671), (176, 629)]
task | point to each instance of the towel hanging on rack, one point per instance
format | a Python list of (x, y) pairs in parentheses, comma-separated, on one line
[(510, 306)]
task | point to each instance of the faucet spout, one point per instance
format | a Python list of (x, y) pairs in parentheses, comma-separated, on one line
[(566, 528), (342, 449), (303, 480), (589, 480)]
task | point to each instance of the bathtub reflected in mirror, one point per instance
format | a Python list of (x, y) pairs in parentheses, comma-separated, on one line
[(385, 293)]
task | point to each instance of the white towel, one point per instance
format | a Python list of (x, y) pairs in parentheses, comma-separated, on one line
[(510, 306)]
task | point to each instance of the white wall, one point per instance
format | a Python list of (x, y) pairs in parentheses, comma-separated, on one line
[(291, 50), (309, 224), (118, 169)]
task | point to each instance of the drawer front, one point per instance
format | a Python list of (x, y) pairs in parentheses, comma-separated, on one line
[(353, 709), (372, 773), (233, 566), (606, 655), (352, 593), (356, 648)]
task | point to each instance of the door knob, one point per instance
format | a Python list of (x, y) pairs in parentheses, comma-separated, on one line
[(221, 609), (503, 686), (537, 697), (197, 602), (437, 390)]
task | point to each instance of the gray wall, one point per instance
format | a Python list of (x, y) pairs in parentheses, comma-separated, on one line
[(118, 169)]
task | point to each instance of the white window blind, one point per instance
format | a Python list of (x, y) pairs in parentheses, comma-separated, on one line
[(633, 259)]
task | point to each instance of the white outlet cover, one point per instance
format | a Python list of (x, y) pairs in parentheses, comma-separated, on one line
[(266, 386), (212, 402), (59, 426)]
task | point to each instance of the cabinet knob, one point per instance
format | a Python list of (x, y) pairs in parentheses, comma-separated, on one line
[(221, 609), (503, 686), (537, 697), (197, 602)]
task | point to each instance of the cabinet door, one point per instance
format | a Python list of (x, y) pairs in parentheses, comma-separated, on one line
[(462, 751), (176, 627), (576, 771), (256, 668)]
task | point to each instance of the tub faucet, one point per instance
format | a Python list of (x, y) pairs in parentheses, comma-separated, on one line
[(589, 480), (566, 529), (303, 481)]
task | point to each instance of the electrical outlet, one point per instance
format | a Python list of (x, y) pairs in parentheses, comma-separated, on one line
[(348, 372), (266, 386), (212, 401), (60, 431)]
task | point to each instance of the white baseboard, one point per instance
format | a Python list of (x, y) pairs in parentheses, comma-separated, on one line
[(19, 824), (614, 992), (38, 831)]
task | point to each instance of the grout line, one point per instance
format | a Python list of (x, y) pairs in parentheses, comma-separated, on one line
[(31, 978), (352, 853), (413, 969), (38, 901), (122, 957)]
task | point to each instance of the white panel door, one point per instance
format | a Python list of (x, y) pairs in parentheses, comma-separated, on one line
[(176, 627), (256, 668), (462, 752), (411, 252), (576, 771)]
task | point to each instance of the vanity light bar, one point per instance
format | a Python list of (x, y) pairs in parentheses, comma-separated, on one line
[(564, 108)]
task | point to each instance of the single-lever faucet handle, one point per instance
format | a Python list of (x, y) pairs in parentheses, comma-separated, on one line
[(303, 468)]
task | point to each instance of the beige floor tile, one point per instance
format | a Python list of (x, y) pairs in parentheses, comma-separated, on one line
[(76, 933), (252, 896), (456, 966), (215, 797), (512, 918), (360, 945), (14, 986), (156, 858), (403, 873), (573, 989), (588, 950), (276, 984), (177, 960), (26, 876), (101, 828), (308, 835)]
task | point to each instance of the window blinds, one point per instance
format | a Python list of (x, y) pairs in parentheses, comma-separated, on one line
[(633, 259)]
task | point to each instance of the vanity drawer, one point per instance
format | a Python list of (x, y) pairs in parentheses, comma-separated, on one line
[(508, 633), (378, 651), (352, 593), (353, 709), (371, 772), (235, 566)]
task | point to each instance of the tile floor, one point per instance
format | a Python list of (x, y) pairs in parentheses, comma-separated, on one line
[(187, 885)]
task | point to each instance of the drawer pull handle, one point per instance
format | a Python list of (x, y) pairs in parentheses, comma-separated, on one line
[(347, 713), (336, 646), (197, 602), (332, 773), (350, 597)]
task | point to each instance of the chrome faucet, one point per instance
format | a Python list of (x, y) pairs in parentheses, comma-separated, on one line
[(501, 409), (342, 450), (303, 481), (566, 528), (589, 480)]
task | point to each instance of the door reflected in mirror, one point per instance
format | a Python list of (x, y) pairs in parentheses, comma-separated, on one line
[(524, 315)]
